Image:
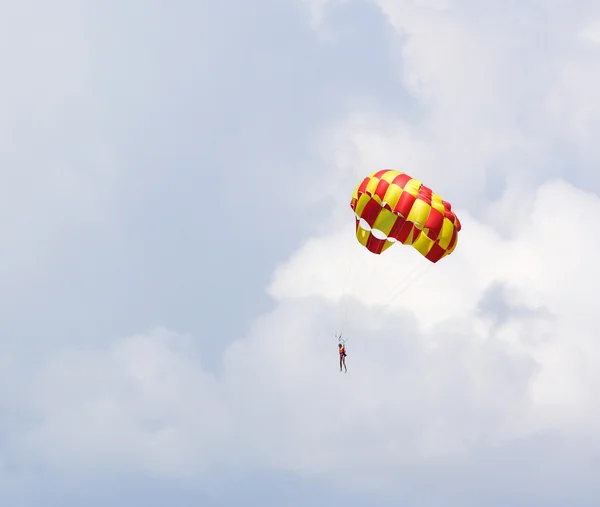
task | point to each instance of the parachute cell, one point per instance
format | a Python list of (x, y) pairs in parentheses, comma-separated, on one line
[(390, 206)]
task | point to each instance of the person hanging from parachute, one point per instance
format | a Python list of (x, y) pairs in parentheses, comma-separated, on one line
[(342, 352)]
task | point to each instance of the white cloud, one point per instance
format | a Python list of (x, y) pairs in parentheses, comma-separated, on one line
[(143, 403), (56, 165), (435, 380), (493, 346), (505, 97), (591, 32)]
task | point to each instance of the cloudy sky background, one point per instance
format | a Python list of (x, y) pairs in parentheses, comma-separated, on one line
[(176, 244)]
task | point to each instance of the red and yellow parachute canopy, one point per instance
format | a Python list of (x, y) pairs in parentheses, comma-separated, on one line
[(391, 206)]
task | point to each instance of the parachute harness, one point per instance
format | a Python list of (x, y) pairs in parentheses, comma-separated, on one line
[(341, 340)]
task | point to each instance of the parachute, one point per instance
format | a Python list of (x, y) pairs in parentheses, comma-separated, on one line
[(391, 206)]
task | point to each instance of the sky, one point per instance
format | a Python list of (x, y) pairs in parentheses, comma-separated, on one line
[(177, 252)]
